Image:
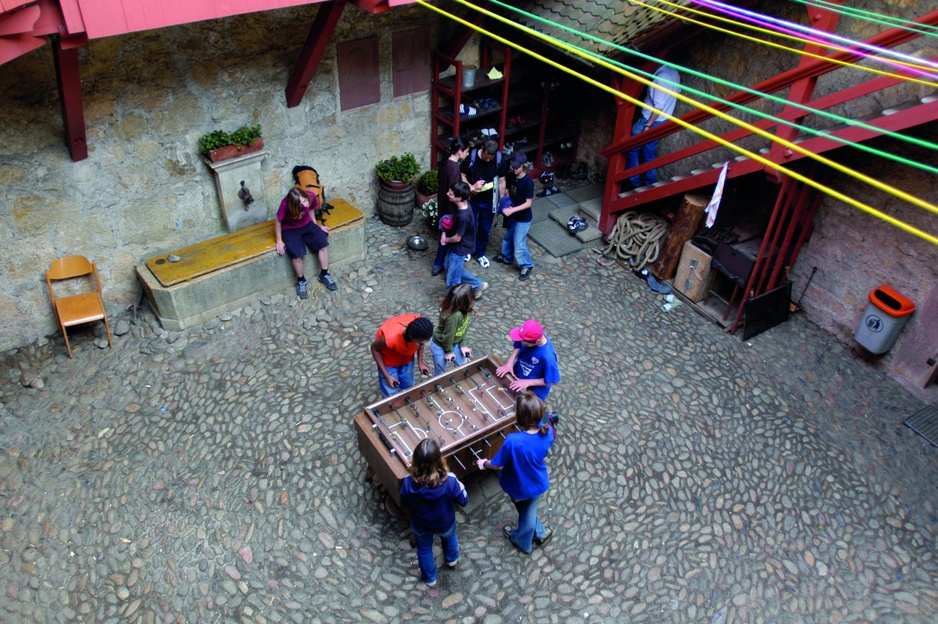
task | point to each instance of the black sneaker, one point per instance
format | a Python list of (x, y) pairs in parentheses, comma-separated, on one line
[(302, 289), (328, 281), (525, 273), (501, 259), (436, 271), (548, 533)]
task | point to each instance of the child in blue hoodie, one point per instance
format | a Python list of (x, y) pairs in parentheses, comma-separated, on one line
[(430, 493)]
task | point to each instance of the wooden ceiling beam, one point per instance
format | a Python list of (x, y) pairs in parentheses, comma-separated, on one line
[(68, 77), (320, 33)]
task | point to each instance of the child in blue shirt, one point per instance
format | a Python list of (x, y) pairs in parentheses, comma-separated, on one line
[(522, 472), (430, 493), (533, 361)]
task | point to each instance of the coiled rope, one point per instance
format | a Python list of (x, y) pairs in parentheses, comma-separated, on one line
[(635, 238)]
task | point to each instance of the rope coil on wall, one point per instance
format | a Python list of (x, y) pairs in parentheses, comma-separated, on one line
[(635, 238)]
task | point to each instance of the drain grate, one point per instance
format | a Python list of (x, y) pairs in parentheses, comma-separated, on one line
[(925, 423), (553, 238)]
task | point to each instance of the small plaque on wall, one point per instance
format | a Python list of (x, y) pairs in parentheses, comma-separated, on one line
[(410, 52), (359, 78)]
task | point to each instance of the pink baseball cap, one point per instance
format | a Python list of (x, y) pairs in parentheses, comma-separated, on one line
[(531, 331)]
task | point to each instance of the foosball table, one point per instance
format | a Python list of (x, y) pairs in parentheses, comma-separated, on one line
[(468, 410)]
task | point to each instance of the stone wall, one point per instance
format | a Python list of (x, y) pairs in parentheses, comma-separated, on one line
[(147, 98)]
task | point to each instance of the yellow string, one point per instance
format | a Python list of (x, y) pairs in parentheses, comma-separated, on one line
[(757, 157), (881, 72)]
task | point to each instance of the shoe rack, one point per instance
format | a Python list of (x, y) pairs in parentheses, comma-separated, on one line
[(531, 105)]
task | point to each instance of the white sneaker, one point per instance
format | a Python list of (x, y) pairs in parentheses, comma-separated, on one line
[(478, 291), (484, 261)]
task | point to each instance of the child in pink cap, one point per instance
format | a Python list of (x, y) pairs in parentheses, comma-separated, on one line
[(533, 360)]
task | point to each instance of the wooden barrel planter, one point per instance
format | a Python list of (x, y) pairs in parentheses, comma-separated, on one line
[(395, 202)]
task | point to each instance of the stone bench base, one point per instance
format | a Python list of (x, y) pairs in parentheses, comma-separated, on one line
[(192, 290)]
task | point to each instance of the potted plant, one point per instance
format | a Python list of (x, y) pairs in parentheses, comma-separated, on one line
[(396, 188), (431, 210), (220, 145), (427, 186)]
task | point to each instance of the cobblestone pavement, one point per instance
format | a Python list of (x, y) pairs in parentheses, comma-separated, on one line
[(212, 475)]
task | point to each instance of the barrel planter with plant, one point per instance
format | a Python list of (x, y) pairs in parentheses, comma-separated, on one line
[(396, 189)]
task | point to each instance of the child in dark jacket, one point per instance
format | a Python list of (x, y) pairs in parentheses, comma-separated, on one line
[(430, 493)]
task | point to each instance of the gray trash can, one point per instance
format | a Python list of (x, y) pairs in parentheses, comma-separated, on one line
[(886, 314)]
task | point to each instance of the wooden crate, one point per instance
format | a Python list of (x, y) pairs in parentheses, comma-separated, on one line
[(693, 277)]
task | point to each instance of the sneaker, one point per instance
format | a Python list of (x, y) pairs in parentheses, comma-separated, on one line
[(478, 291), (453, 563), (483, 261), (302, 289), (525, 273), (501, 259), (431, 583), (436, 271), (548, 533), (328, 281), (468, 258)]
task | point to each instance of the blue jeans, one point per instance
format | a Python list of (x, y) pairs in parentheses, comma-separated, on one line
[(403, 374), (645, 152), (484, 217), (456, 272), (440, 259), (425, 557), (529, 525), (439, 361), (515, 244)]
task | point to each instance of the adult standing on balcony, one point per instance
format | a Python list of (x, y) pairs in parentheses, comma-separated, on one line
[(663, 105)]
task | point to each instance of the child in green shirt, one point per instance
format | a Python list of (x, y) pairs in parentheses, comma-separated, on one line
[(455, 316)]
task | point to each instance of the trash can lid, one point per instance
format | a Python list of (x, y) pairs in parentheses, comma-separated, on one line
[(891, 301)]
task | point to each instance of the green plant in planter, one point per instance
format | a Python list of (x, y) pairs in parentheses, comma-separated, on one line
[(245, 135), (214, 140), (398, 168), (428, 182)]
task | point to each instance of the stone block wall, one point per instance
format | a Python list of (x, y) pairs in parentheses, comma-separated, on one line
[(148, 97)]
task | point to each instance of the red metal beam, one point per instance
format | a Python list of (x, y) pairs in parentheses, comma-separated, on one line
[(802, 90), (813, 68), (68, 78), (316, 43)]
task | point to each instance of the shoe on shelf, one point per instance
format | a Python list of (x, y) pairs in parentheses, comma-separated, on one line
[(328, 281), (494, 74), (483, 262), (302, 289), (501, 259), (481, 289), (467, 111), (525, 273), (548, 533)]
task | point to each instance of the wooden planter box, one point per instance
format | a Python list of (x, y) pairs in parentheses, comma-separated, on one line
[(233, 151)]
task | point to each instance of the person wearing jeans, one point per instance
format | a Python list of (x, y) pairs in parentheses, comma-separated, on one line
[(430, 493), (661, 102), (394, 346), (522, 472), (459, 241), (516, 210)]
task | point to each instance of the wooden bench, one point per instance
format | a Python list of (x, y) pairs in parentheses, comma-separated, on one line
[(229, 271)]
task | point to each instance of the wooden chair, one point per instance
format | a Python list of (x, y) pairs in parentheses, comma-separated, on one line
[(79, 308)]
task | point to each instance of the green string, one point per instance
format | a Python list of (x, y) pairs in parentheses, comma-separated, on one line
[(879, 18), (845, 120)]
